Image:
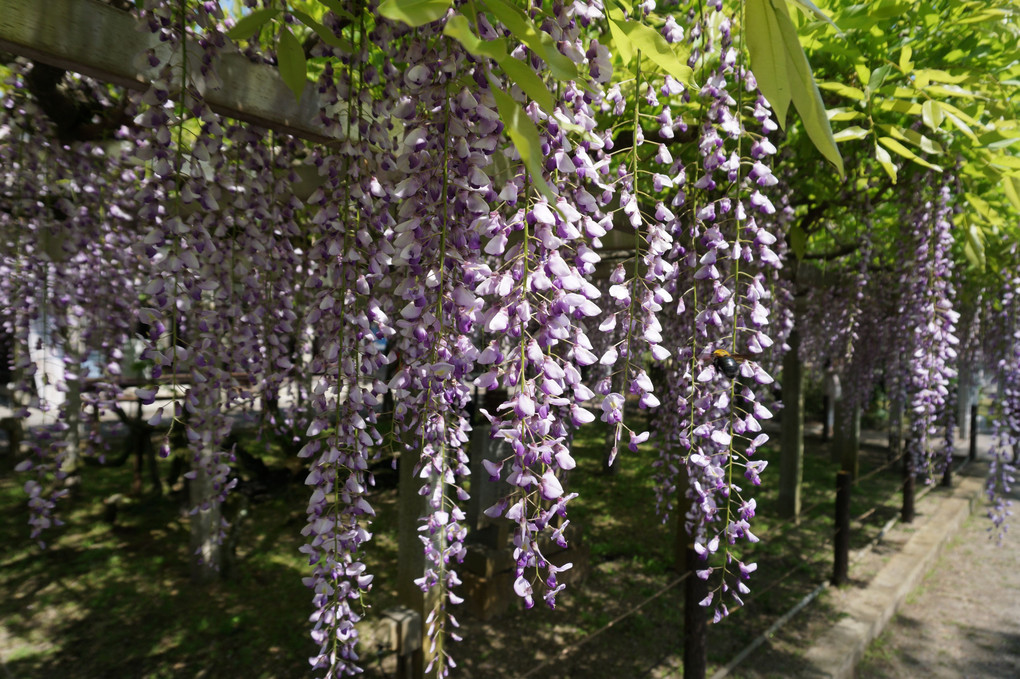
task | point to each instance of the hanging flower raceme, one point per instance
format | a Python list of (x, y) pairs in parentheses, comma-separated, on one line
[(929, 305), (180, 199), (543, 306), (441, 197), (350, 316), (66, 208), (1005, 451), (724, 253)]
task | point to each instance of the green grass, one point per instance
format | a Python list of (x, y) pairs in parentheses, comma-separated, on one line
[(116, 601)]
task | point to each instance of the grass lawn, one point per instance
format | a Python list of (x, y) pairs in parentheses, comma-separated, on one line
[(115, 600)]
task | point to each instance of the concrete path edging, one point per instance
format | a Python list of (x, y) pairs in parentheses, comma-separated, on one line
[(836, 653)]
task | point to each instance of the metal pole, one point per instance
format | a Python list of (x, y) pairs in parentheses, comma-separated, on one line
[(907, 513), (972, 453), (841, 540)]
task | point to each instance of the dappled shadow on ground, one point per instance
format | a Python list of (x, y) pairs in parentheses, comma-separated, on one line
[(116, 601)]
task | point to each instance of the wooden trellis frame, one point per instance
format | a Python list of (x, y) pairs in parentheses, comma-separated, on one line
[(109, 44)]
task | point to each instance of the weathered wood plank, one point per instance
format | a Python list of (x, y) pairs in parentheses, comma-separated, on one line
[(94, 39)]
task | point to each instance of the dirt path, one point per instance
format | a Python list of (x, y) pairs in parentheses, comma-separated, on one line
[(964, 620)]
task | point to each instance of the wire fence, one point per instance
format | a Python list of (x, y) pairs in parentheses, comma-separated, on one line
[(781, 530)]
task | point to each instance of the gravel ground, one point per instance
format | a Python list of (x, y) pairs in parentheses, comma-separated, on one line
[(963, 621)]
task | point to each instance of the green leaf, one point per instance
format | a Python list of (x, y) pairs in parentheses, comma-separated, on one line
[(768, 59), (951, 91), (414, 12), (620, 39), (798, 241), (960, 125), (849, 133), (782, 70), (250, 24), (914, 137), (459, 28), (651, 44), (324, 33), (520, 73), (293, 68), (931, 114), (524, 135), (810, 8), (877, 79), (906, 65), (540, 42), (902, 150), (843, 90), (995, 140), (949, 108), (981, 206), (885, 160), (1004, 160), (941, 76), (806, 97), (338, 9), (1011, 187), (910, 108), (974, 247), (842, 114)]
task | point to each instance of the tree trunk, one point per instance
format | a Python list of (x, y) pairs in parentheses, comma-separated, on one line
[(846, 444), (206, 552), (895, 428), (411, 564), (791, 462)]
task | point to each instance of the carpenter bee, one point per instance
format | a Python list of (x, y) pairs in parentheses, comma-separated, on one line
[(727, 363)]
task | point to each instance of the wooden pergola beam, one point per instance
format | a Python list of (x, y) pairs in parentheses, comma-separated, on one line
[(97, 40)]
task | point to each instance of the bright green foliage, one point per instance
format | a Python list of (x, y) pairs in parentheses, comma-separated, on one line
[(414, 12), (635, 37), (783, 72), (459, 28), (913, 87)]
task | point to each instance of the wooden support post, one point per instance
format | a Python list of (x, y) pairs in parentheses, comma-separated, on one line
[(791, 461), (841, 539), (206, 550), (907, 511), (964, 396), (895, 428), (827, 410), (695, 590), (411, 566), (947, 473), (972, 450), (695, 624), (15, 435), (832, 393), (846, 445)]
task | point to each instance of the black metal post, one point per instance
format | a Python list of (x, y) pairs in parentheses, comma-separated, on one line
[(695, 624), (972, 453), (695, 591), (947, 473), (907, 513), (841, 540)]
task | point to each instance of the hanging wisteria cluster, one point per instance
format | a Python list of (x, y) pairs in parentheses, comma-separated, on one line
[(1005, 325), (67, 212), (515, 205), (927, 310), (722, 288), (479, 269)]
